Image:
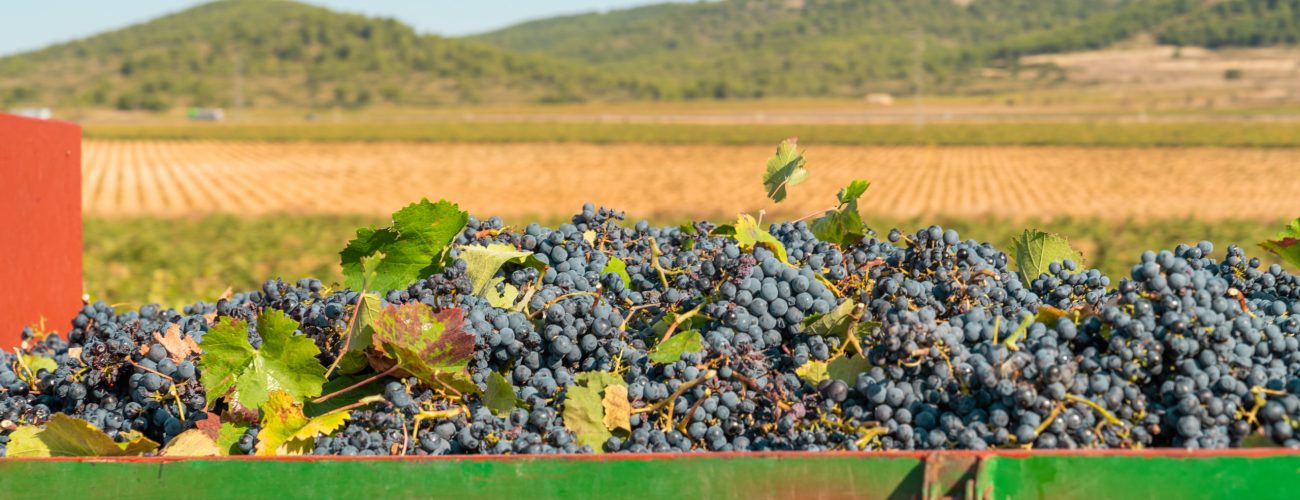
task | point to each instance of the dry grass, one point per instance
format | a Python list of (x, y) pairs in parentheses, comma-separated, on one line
[(544, 181)]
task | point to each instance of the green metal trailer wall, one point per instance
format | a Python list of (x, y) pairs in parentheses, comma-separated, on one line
[(1246, 474)]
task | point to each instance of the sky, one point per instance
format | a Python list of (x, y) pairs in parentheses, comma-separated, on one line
[(32, 24)]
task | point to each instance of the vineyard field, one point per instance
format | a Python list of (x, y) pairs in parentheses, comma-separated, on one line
[(546, 180)]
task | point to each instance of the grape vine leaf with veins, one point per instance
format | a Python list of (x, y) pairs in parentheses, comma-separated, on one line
[(1286, 244), (65, 436), (287, 431), (748, 235), (412, 248), (590, 409), (285, 361), (843, 225), (1036, 250), (784, 169), (431, 346)]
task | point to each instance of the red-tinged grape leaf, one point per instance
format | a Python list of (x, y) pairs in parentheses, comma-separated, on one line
[(287, 431), (178, 347), (412, 248), (285, 361), (192, 443), (422, 342), (228, 437), (1286, 244), (210, 426), (812, 372), (618, 410), (65, 436), (671, 350), (784, 169), (1036, 250), (749, 235), (500, 395)]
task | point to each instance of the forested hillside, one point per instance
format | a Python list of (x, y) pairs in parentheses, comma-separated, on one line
[(286, 53), (281, 53)]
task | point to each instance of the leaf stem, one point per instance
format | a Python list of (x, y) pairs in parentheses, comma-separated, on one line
[(368, 380), (347, 341), (360, 402)]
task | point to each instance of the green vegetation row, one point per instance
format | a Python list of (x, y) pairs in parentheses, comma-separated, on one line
[(948, 134), (280, 53), (133, 261)]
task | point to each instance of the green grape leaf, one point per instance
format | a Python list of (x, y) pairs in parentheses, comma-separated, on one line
[(287, 431), (1036, 250), (412, 248), (724, 230), (285, 361), (784, 169), (599, 379), (812, 372), (853, 191), (584, 407), (1286, 244), (192, 443), (423, 343), (749, 235), (65, 436), (354, 359), (833, 323), (36, 362), (500, 395), (680, 343), (847, 369), (617, 266), (484, 262), (505, 298), (228, 437), (843, 225)]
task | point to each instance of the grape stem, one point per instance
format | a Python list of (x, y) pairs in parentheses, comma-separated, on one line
[(677, 394), (368, 380), (677, 322)]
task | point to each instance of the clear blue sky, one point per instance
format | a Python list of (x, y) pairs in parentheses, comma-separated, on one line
[(32, 24)]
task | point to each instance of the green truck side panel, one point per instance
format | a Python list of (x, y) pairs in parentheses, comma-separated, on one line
[(675, 478), (794, 476), (1064, 477)]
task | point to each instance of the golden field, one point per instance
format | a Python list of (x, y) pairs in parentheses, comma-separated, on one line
[(546, 180)]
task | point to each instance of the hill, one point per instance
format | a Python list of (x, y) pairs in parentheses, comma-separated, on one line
[(268, 53), (845, 47), (285, 53)]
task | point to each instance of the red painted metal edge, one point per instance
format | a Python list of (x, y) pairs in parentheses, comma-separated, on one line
[(40, 224), (1148, 453)]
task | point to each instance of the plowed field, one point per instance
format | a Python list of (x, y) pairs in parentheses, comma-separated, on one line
[(532, 180)]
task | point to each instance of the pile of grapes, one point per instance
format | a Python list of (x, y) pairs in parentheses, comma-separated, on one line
[(597, 336)]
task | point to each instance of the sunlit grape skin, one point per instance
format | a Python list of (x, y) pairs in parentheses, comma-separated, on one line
[(1173, 355)]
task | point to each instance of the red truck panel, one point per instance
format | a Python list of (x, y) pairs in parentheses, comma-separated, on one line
[(40, 225)]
